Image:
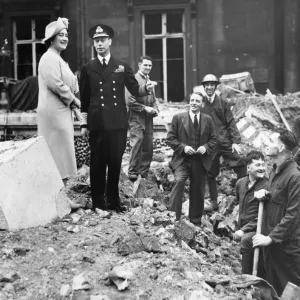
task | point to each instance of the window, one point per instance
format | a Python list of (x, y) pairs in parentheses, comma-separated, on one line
[(28, 33), (164, 40)]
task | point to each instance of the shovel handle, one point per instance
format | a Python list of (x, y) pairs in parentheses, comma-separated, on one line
[(258, 231)]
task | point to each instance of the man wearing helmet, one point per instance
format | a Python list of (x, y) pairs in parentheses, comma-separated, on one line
[(228, 137)]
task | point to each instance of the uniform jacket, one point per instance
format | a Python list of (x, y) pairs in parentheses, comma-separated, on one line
[(102, 94), (178, 138), (248, 206), (136, 105), (225, 124), (282, 213)]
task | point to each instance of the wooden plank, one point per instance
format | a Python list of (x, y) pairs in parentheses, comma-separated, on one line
[(272, 97)]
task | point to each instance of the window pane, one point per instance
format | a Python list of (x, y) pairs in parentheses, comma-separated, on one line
[(40, 50), (23, 29), (174, 22), (175, 48), (40, 25), (25, 54), (175, 75), (24, 71), (154, 48), (157, 70), (153, 24)]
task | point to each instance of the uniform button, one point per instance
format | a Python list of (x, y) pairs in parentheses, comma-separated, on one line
[(115, 104), (102, 97), (100, 82), (101, 90), (114, 89), (115, 97), (114, 82), (102, 104)]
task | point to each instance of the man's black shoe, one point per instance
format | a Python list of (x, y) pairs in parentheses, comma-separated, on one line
[(133, 177), (118, 209)]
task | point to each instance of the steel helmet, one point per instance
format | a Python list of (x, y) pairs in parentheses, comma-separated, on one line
[(210, 78)]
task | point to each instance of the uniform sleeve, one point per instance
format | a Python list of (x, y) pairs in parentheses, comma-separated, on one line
[(172, 137), (51, 72), (84, 87), (212, 139), (231, 125), (132, 85), (291, 219)]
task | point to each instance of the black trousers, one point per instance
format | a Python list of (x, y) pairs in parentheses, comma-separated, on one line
[(107, 149), (190, 168), (235, 162)]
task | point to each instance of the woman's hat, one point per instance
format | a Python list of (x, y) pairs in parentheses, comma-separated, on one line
[(55, 27), (101, 30)]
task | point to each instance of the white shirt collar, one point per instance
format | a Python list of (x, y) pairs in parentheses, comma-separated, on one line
[(212, 98), (146, 77), (192, 116), (107, 58)]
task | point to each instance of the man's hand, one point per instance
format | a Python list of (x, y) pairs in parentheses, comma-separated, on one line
[(261, 195), (201, 150), (260, 240), (238, 235), (149, 110), (84, 132), (150, 86), (189, 150), (237, 148)]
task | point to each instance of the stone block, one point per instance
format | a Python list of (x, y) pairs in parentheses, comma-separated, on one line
[(32, 192)]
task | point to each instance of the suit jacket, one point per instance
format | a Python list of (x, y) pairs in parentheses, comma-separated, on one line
[(137, 114), (178, 138), (102, 94)]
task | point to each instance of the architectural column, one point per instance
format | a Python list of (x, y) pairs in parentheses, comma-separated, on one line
[(291, 46)]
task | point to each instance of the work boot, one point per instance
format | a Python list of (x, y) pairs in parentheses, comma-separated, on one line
[(212, 206), (133, 177)]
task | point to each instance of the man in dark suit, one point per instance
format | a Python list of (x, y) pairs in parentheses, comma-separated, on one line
[(193, 138), (102, 87)]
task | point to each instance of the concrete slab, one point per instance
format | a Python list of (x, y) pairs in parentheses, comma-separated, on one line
[(32, 190)]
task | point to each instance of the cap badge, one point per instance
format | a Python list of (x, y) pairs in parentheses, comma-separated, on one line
[(99, 29)]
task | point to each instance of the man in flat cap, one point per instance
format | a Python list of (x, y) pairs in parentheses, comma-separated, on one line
[(102, 86)]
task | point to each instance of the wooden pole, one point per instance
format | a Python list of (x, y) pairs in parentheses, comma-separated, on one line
[(272, 97), (258, 231)]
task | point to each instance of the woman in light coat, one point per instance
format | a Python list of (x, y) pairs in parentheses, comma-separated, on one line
[(57, 88)]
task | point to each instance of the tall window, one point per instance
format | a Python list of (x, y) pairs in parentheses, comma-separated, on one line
[(28, 33), (164, 41)]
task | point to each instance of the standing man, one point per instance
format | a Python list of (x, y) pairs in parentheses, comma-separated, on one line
[(228, 137), (192, 137), (142, 110), (102, 87), (248, 208), (280, 229)]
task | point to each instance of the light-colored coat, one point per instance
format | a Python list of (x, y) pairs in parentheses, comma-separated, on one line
[(57, 85)]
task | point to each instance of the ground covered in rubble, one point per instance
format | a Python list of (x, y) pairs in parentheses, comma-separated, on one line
[(141, 254)]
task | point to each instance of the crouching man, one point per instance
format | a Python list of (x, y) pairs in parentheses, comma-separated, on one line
[(248, 208), (280, 229), (192, 137)]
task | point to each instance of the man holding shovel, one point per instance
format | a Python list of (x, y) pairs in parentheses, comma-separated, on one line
[(248, 208), (281, 218)]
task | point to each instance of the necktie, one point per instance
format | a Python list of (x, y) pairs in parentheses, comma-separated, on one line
[(195, 122), (104, 63)]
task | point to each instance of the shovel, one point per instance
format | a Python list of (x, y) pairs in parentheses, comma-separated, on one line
[(258, 231)]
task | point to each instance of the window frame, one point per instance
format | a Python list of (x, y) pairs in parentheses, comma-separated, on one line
[(30, 14), (164, 36)]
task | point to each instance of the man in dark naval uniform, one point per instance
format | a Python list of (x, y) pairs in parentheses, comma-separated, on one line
[(102, 88)]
